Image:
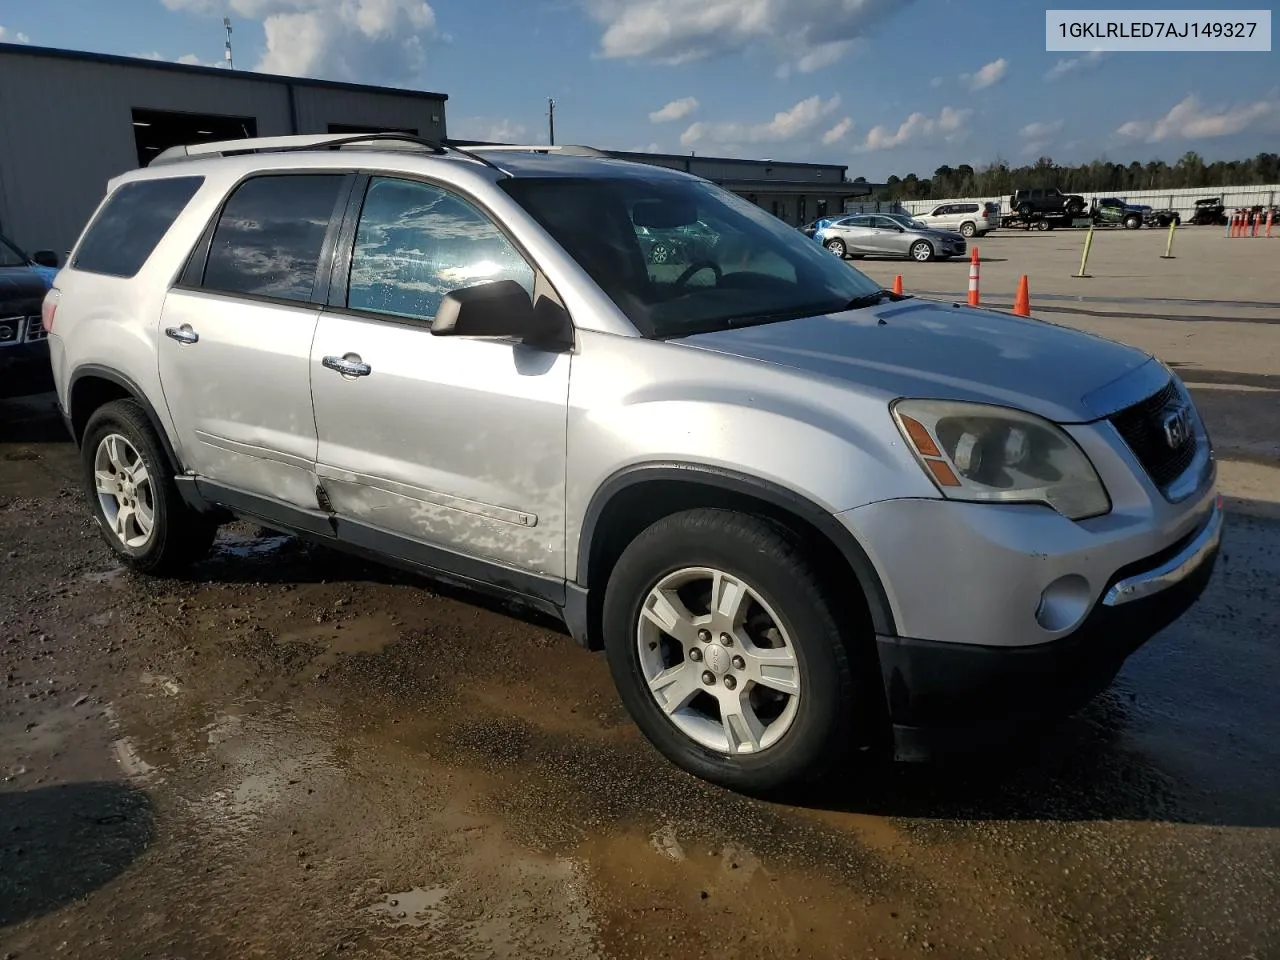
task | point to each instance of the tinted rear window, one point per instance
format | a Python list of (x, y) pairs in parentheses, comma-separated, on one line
[(132, 222), (268, 239)]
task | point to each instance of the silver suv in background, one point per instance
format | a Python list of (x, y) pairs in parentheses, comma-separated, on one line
[(803, 517), (970, 218)]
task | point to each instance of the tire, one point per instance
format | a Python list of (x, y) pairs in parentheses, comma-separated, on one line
[(967, 230), (922, 251), (818, 729), (837, 247), (118, 440), (1044, 225), (1025, 210), (1074, 209), (1132, 223)]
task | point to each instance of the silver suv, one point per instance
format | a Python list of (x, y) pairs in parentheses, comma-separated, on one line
[(806, 519)]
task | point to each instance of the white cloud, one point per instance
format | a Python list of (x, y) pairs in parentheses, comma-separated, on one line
[(190, 59), (361, 40), (838, 132), (1188, 120), (675, 110), (1072, 64), (645, 148), (805, 34), (489, 129), (949, 124), (785, 125), (19, 37), (986, 76), (936, 82), (1040, 131)]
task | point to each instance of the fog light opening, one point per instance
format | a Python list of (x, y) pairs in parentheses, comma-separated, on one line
[(1064, 603)]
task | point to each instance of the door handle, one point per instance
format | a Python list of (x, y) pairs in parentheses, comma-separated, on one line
[(183, 334), (349, 366)]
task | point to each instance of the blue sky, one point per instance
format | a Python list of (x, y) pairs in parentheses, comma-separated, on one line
[(885, 86)]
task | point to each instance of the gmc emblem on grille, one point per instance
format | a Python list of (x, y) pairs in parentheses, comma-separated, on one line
[(1177, 426)]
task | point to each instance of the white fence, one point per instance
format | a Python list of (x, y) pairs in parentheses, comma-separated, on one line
[(1183, 200)]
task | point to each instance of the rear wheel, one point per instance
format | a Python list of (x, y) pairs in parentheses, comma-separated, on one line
[(836, 246), (968, 230), (922, 251), (726, 651), (133, 496)]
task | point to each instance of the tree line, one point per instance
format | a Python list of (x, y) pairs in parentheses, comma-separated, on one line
[(1098, 177)]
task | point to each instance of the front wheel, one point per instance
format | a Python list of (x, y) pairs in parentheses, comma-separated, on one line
[(726, 651), (1132, 223), (922, 251), (133, 496), (837, 247)]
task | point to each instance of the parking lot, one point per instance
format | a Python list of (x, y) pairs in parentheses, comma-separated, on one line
[(294, 754)]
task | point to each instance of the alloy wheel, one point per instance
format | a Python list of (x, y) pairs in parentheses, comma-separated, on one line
[(718, 661), (125, 491)]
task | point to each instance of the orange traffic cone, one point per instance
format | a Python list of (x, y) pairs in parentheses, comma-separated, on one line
[(897, 284), (974, 299), (1022, 302)]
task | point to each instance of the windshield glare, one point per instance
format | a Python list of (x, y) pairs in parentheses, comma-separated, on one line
[(730, 264)]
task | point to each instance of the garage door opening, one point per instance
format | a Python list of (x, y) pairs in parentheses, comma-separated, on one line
[(157, 130)]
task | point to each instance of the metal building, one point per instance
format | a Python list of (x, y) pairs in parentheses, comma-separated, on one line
[(70, 121), (794, 192)]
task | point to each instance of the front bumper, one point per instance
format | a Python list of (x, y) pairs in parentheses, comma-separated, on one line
[(959, 686)]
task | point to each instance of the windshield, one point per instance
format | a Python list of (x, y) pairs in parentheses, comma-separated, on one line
[(10, 256), (682, 257)]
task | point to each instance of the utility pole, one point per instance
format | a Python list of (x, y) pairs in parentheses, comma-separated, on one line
[(226, 23), (551, 120)]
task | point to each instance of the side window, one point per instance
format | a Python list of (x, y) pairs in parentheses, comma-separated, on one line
[(268, 239), (132, 223), (416, 243)]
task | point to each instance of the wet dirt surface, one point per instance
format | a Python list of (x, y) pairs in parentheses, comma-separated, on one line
[(293, 754)]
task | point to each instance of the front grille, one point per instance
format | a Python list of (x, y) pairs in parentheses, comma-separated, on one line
[(35, 329), (1142, 427)]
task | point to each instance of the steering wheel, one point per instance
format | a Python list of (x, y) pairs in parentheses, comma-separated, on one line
[(695, 267)]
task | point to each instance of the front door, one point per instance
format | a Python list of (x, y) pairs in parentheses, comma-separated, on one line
[(236, 336), (444, 442)]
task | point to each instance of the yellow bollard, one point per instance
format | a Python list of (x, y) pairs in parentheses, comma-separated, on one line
[(1168, 250), (1088, 242)]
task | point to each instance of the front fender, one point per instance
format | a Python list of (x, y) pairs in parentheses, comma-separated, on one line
[(638, 402)]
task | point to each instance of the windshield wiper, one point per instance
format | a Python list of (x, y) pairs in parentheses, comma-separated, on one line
[(872, 299)]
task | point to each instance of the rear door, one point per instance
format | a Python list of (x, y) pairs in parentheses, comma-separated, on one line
[(430, 444), (237, 332), (856, 233)]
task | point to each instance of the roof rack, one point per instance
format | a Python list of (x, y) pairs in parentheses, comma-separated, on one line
[(305, 142), (568, 150)]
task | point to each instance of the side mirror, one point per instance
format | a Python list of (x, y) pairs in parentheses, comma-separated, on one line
[(45, 258), (502, 308)]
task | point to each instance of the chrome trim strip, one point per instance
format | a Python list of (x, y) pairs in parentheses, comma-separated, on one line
[(449, 502), (1174, 570), (250, 450)]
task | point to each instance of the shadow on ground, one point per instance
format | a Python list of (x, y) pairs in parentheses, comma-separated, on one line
[(60, 843)]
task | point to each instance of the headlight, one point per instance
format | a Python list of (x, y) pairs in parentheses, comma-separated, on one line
[(976, 451)]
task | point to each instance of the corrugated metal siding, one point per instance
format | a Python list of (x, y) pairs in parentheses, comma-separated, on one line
[(318, 107), (68, 129), (1182, 200)]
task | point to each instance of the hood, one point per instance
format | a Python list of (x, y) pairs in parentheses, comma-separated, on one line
[(927, 349), (20, 285)]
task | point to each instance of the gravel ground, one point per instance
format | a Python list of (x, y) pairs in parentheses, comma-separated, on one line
[(292, 754)]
